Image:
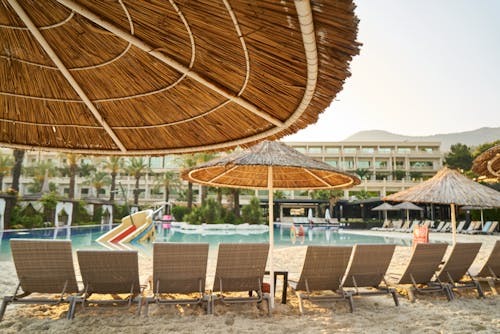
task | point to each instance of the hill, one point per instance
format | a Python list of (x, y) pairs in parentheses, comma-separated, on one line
[(469, 138)]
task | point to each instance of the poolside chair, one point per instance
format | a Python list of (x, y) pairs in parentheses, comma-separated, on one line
[(424, 262), (43, 267), (491, 269), (438, 228), (446, 227), (324, 268), (179, 268), (460, 226), (396, 224), (240, 268), (412, 226), (367, 270), (403, 228), (484, 230), (473, 226), (384, 227), (107, 272), (456, 268), (492, 228)]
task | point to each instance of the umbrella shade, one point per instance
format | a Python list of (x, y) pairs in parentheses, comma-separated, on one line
[(407, 206), (488, 163), (384, 207), (156, 77), (448, 186), (270, 165)]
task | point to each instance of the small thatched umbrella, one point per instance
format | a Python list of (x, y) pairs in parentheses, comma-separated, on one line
[(488, 163), (270, 165), (384, 207), (156, 77), (407, 206), (448, 186)]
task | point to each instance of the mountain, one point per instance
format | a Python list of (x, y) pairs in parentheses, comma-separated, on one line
[(469, 138)]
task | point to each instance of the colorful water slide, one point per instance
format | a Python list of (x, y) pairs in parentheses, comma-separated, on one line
[(134, 228)]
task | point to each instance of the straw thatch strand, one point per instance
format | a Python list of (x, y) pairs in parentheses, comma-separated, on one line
[(154, 77), (448, 186)]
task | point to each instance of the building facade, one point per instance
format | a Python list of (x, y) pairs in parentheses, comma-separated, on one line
[(384, 167)]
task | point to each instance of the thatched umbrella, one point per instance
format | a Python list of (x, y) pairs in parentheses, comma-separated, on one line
[(270, 165), (448, 186), (488, 163), (157, 77), (384, 207), (407, 206)]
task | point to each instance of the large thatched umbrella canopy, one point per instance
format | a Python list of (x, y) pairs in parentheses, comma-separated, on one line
[(155, 77), (270, 165), (488, 163), (449, 186)]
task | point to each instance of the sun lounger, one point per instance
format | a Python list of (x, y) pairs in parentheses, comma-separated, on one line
[(179, 268), (384, 226), (403, 228), (43, 267), (396, 224), (492, 228), (446, 227), (460, 226), (438, 228), (474, 225), (491, 269), (108, 272), (424, 262), (324, 268), (484, 230), (367, 270), (240, 268), (456, 267), (411, 227)]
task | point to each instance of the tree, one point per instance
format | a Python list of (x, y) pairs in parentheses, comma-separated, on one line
[(459, 157), (168, 180), (236, 201), (484, 147), (188, 161), (113, 165), (6, 164), (136, 168), (362, 173), (200, 158), (17, 169), (252, 213), (99, 180), (40, 172), (71, 171)]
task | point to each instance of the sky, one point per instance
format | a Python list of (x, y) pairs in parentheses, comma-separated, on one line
[(425, 67)]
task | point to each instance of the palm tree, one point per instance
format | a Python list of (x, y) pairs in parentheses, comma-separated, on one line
[(5, 167), (189, 161), (137, 167), (99, 180), (114, 165), (72, 169), (40, 172), (200, 158), (17, 169), (168, 180)]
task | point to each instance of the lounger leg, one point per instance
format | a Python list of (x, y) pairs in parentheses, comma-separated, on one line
[(5, 302), (394, 294), (71, 310), (491, 283), (411, 294), (479, 289), (351, 302), (449, 293), (301, 303)]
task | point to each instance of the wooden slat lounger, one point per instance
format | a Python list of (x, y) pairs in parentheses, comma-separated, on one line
[(491, 269)]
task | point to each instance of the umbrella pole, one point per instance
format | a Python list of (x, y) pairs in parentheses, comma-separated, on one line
[(482, 219), (453, 224), (407, 215), (271, 232)]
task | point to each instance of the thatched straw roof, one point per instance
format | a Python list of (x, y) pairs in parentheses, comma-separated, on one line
[(488, 163), (407, 206), (448, 186), (290, 170), (155, 77), (384, 207)]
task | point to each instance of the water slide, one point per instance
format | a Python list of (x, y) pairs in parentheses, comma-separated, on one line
[(137, 227)]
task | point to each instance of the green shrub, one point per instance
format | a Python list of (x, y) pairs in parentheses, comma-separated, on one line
[(179, 212), (252, 213)]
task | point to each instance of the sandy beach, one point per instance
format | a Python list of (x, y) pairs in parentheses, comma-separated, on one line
[(429, 314)]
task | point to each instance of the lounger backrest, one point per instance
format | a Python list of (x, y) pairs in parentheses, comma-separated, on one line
[(492, 265), (492, 227), (396, 223), (109, 271), (368, 265), (324, 267), (240, 267), (440, 226), (486, 226), (460, 226), (179, 267), (461, 257), (44, 266), (424, 262), (406, 225)]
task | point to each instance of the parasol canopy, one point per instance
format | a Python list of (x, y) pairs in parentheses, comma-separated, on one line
[(448, 186), (488, 163), (384, 207), (407, 206), (156, 77), (270, 165)]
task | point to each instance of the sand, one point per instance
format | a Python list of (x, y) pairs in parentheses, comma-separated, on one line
[(428, 314)]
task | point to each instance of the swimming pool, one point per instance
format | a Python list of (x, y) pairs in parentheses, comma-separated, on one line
[(84, 237)]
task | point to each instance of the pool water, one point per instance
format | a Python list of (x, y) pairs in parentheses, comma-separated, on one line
[(84, 237)]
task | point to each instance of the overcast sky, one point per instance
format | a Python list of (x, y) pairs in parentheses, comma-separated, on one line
[(426, 67)]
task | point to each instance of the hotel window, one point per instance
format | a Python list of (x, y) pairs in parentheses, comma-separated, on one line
[(315, 150), (332, 150), (380, 164), (364, 164), (85, 191), (404, 150), (421, 164), (368, 150), (349, 150), (426, 149), (348, 164), (400, 164), (156, 162), (384, 150), (170, 161), (332, 162), (301, 149)]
